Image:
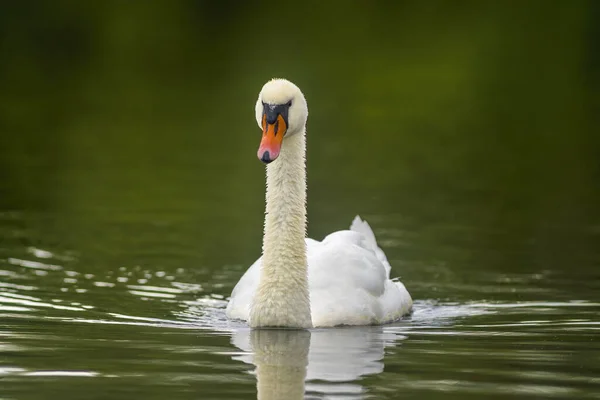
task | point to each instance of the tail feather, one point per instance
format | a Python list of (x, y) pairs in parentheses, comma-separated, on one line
[(361, 226)]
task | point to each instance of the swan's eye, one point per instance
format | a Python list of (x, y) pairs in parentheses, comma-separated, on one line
[(289, 103)]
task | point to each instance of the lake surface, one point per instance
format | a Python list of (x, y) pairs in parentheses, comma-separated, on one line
[(131, 199), (130, 309)]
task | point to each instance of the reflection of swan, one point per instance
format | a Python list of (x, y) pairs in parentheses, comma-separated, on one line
[(280, 357), (333, 356), (343, 280)]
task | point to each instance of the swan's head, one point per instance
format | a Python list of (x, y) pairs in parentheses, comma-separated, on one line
[(281, 112)]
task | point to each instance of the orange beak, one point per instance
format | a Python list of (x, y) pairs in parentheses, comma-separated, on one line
[(272, 137)]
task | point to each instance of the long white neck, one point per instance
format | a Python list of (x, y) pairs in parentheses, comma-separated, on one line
[(282, 298)]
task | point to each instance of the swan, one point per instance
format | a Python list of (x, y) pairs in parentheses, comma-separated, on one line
[(299, 282)]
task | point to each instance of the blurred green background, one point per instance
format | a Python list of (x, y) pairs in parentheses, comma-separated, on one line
[(465, 125), (132, 200)]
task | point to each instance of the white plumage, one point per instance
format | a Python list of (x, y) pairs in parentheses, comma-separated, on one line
[(299, 282), (348, 279)]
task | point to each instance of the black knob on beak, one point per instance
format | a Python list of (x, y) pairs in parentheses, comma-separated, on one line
[(271, 112), (266, 157)]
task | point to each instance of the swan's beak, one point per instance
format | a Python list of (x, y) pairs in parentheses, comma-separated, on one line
[(273, 131)]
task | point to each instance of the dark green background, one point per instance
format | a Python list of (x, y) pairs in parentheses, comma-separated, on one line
[(466, 133)]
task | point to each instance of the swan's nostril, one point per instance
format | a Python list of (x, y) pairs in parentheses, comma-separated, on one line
[(266, 157)]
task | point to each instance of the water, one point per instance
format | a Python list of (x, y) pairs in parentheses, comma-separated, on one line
[(73, 329), (131, 199)]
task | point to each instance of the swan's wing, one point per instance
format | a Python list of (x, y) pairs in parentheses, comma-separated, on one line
[(349, 280), (395, 297), (243, 293)]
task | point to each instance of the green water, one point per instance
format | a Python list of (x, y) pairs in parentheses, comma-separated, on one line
[(131, 198)]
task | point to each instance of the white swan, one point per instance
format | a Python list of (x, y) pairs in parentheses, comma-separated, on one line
[(299, 282)]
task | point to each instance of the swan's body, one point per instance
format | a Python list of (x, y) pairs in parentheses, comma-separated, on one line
[(299, 282), (348, 280)]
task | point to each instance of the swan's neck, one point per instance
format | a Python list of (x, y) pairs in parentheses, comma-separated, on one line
[(282, 298)]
